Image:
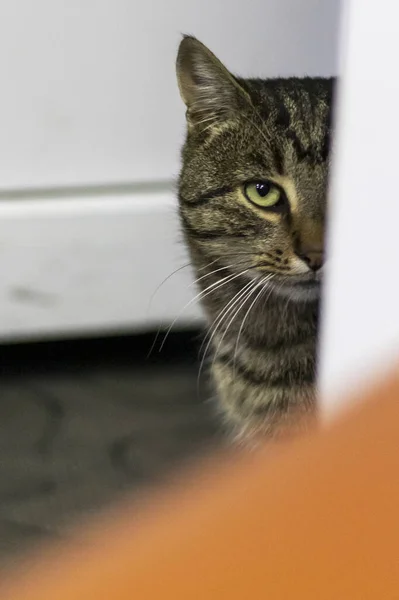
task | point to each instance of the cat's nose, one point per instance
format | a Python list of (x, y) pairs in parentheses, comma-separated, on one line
[(314, 259)]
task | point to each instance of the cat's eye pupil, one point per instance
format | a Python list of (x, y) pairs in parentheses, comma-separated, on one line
[(263, 188)]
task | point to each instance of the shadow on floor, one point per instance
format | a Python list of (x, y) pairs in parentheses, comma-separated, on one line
[(83, 422)]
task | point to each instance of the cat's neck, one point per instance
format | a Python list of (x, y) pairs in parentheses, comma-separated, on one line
[(280, 322), (270, 322)]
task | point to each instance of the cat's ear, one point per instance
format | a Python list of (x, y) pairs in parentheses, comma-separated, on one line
[(210, 92)]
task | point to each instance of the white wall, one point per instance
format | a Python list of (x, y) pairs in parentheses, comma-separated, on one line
[(88, 91), (83, 265), (89, 99)]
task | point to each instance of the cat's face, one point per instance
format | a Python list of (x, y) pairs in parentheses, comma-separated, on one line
[(254, 179)]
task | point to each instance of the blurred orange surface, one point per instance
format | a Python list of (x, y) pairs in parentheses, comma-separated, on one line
[(317, 518)]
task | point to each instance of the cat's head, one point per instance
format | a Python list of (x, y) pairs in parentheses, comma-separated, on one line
[(253, 184)]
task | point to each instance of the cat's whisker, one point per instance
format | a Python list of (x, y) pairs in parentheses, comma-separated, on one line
[(152, 298), (232, 265), (209, 264), (220, 316), (225, 311), (156, 337), (171, 275), (157, 290), (266, 282), (208, 290), (163, 282), (247, 297), (210, 273), (215, 325), (242, 304)]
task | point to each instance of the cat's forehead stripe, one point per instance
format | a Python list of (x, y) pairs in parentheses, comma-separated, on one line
[(303, 115)]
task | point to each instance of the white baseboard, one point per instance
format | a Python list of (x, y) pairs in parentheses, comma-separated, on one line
[(85, 265)]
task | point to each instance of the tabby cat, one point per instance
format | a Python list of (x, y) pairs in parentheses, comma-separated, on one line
[(252, 197)]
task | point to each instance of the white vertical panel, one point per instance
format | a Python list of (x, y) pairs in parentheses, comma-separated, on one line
[(361, 327)]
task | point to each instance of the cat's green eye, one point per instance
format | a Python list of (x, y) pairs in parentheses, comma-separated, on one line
[(263, 193)]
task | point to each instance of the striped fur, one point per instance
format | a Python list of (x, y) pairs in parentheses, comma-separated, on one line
[(259, 293)]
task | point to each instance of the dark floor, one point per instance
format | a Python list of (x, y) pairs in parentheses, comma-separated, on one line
[(83, 422)]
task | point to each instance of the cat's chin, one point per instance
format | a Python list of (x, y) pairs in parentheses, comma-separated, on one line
[(307, 290)]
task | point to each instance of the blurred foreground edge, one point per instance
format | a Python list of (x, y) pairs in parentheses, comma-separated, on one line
[(316, 519)]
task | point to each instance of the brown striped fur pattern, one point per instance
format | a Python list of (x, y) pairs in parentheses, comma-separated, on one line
[(259, 270)]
